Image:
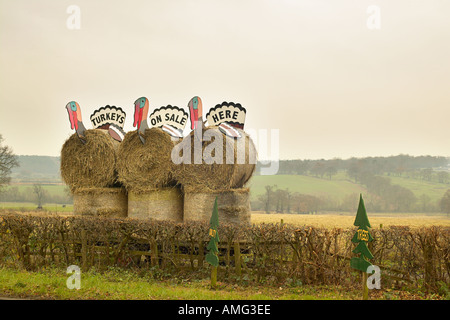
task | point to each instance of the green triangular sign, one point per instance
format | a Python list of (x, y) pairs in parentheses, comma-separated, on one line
[(362, 248), (211, 257), (360, 264), (361, 219), (362, 234), (362, 237)]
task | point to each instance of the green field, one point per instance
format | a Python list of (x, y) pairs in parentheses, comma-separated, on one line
[(336, 188), (29, 206), (340, 186), (419, 187), (117, 284), (52, 189)]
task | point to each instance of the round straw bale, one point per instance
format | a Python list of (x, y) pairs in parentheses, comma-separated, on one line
[(158, 204), (228, 168), (143, 166), (92, 164), (106, 202), (233, 206)]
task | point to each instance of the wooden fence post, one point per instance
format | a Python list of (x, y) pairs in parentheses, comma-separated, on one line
[(201, 253), (237, 258), (84, 261), (213, 277), (153, 252), (365, 288)]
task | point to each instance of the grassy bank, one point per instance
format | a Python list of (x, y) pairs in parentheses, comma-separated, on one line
[(31, 207), (116, 284)]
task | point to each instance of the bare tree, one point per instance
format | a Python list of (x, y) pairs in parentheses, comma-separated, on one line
[(40, 193), (7, 161), (268, 197)]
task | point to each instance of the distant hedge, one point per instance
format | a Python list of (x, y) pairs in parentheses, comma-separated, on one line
[(263, 253)]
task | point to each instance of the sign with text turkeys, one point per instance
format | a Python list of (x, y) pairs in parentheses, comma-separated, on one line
[(229, 112), (108, 115)]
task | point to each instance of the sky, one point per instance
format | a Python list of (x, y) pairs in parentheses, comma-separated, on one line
[(316, 71)]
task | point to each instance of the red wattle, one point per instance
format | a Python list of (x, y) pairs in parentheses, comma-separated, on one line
[(140, 118), (75, 120)]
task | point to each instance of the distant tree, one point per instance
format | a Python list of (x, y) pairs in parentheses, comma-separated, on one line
[(445, 203), (425, 201), (318, 169), (288, 200), (7, 161), (348, 203), (268, 196), (354, 170), (282, 200), (427, 174), (330, 171), (443, 176), (303, 203), (40, 194)]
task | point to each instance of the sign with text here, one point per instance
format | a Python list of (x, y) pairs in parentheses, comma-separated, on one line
[(229, 112)]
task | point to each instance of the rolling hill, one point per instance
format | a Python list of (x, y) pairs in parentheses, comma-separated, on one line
[(336, 188)]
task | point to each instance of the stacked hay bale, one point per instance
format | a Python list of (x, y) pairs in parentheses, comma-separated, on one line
[(90, 172), (146, 172), (202, 182)]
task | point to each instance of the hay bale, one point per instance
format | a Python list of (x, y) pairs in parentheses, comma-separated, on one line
[(105, 202), (158, 204), (233, 206), (217, 176), (90, 165), (146, 166)]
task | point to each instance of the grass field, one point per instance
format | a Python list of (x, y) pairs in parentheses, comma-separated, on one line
[(337, 187), (340, 186), (419, 187), (120, 284), (52, 189), (31, 207), (116, 284), (345, 220)]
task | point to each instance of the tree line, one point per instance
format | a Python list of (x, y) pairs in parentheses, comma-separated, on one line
[(285, 201), (382, 196), (420, 167)]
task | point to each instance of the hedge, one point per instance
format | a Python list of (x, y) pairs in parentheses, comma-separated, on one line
[(260, 253)]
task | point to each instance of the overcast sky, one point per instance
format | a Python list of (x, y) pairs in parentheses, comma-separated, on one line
[(310, 68)]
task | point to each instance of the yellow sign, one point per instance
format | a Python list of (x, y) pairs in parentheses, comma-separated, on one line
[(363, 235)]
